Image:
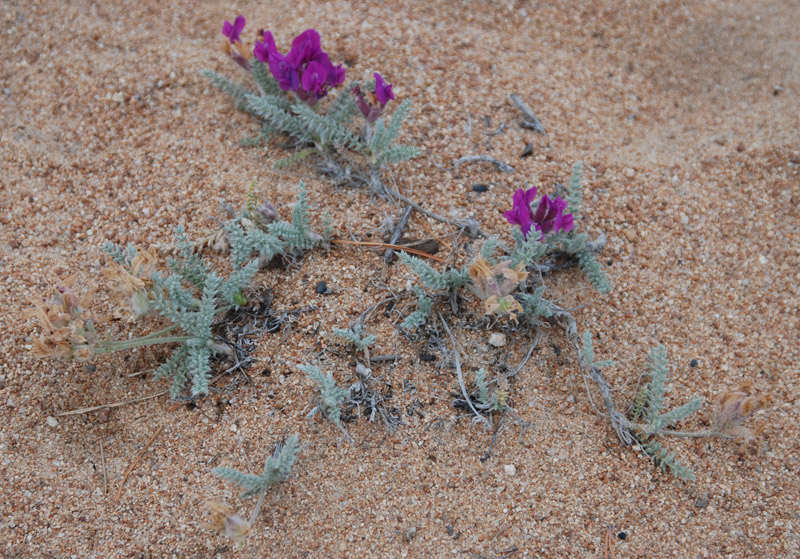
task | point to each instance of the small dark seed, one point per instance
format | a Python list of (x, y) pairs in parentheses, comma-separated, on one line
[(623, 536), (427, 357), (321, 288), (693, 363), (528, 151), (480, 188)]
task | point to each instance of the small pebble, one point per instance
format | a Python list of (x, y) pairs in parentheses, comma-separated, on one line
[(497, 339), (321, 288), (479, 188), (630, 234), (684, 219), (510, 469), (629, 172), (427, 357), (51, 421)]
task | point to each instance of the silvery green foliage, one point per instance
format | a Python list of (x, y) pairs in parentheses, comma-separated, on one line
[(575, 195), (247, 236), (234, 90), (588, 353), (578, 243), (192, 295), (451, 279), (536, 304), (419, 316), (123, 256), (331, 395), (483, 387), (329, 133), (276, 470), (353, 336), (529, 250), (648, 407), (382, 149)]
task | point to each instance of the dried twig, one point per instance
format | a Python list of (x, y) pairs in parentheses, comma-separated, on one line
[(398, 231), (389, 246), (530, 120), (457, 360), (488, 454), (498, 131), (111, 406), (105, 472), (505, 167), (136, 461)]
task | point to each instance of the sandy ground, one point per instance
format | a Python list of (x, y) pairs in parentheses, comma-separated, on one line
[(685, 116)]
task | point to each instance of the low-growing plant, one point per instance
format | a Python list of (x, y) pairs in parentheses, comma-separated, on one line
[(647, 420), (276, 470), (286, 96), (189, 294), (331, 396), (546, 233)]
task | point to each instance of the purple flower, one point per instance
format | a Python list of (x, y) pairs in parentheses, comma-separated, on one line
[(315, 78), (306, 69), (550, 216), (280, 66), (520, 214), (373, 108), (233, 30), (383, 91), (306, 48)]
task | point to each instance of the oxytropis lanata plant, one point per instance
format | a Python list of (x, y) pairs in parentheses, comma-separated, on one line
[(286, 96)]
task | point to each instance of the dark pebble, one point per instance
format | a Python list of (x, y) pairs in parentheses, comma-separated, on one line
[(480, 188), (623, 536), (427, 357), (693, 363), (321, 288)]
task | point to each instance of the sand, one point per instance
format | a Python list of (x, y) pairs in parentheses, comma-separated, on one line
[(685, 117)]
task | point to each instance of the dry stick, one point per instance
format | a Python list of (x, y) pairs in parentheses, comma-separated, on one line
[(530, 120), (105, 474), (471, 225), (488, 454), (619, 422), (110, 406), (385, 245), (457, 360), (398, 231), (503, 166), (126, 402), (136, 461)]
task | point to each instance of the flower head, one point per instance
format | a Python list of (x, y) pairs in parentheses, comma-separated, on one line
[(520, 213), (548, 218), (306, 69), (67, 325), (373, 108), (495, 284), (732, 408), (383, 91), (225, 522), (234, 30)]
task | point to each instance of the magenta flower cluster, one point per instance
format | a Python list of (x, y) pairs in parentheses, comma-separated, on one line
[(549, 216), (306, 69)]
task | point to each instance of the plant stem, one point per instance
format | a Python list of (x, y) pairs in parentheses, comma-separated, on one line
[(119, 345)]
